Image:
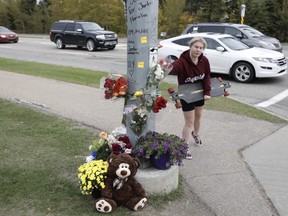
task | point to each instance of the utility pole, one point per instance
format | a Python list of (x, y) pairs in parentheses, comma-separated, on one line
[(142, 50)]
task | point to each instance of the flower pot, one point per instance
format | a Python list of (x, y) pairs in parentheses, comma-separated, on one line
[(161, 162)]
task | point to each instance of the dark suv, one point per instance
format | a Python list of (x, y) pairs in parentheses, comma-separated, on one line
[(82, 34), (245, 33)]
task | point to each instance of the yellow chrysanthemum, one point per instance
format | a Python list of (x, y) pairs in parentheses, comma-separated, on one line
[(102, 185), (91, 175)]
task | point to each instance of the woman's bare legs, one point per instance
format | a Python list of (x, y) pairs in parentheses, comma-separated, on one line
[(188, 125), (197, 120), (192, 123)]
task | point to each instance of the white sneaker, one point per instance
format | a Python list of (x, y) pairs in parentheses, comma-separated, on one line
[(189, 155), (197, 139)]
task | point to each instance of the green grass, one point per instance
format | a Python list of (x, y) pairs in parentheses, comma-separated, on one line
[(68, 74), (40, 155), (92, 78), (39, 158), (228, 105)]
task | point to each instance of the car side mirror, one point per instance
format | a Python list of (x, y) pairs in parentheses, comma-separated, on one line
[(220, 49), (79, 30)]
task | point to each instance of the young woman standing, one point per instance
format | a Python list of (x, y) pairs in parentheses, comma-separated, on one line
[(192, 67)]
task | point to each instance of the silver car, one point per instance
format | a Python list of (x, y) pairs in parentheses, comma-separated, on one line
[(248, 35)]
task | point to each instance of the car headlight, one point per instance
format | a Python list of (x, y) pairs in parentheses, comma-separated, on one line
[(267, 44), (100, 37), (261, 59), (3, 36), (115, 35)]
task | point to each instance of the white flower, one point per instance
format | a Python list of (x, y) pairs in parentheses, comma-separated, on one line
[(128, 151), (130, 108), (119, 131), (89, 158), (111, 139)]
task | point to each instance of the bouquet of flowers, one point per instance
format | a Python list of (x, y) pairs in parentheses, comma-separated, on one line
[(91, 176), (160, 103), (159, 144), (115, 86), (158, 72), (109, 143), (99, 148), (138, 121), (151, 102)]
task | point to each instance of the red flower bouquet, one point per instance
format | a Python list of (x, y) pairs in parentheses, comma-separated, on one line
[(115, 87), (160, 103), (122, 145)]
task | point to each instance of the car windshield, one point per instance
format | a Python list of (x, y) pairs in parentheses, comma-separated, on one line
[(233, 43), (91, 27), (3, 29), (251, 32)]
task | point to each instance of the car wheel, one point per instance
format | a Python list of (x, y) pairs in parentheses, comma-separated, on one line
[(59, 43), (90, 45), (111, 47), (243, 72)]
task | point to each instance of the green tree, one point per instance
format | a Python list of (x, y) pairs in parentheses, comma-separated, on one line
[(28, 6), (212, 11), (232, 11), (170, 17), (282, 31), (43, 13), (193, 6)]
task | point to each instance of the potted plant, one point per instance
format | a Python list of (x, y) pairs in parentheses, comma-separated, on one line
[(153, 146), (91, 177)]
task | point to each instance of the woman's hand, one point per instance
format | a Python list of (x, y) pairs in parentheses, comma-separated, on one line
[(207, 97)]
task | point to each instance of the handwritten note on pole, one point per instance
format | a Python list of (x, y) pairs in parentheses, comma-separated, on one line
[(142, 23)]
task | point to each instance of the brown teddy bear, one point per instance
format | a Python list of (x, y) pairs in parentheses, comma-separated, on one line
[(121, 187)]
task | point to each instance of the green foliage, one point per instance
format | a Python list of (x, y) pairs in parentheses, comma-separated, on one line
[(28, 6), (232, 11), (212, 11), (169, 17)]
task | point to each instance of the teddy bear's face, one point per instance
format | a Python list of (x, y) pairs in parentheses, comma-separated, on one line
[(122, 165), (123, 170)]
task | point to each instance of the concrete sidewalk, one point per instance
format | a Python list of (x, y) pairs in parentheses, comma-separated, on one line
[(241, 170)]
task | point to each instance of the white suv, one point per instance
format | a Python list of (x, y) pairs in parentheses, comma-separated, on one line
[(227, 55)]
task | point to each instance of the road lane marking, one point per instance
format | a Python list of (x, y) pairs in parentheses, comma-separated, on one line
[(274, 99)]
